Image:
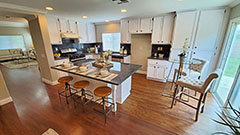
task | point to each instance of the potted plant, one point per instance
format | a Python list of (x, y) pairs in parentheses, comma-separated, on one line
[(231, 121), (106, 56)]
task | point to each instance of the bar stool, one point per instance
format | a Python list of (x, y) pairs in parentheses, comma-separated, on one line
[(81, 85), (104, 92), (64, 93)]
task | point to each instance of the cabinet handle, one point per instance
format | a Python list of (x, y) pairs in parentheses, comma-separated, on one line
[(195, 47), (194, 53), (154, 67), (137, 31), (162, 41), (141, 30), (158, 41), (188, 46)]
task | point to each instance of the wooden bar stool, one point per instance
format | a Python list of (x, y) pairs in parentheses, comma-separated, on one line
[(195, 85), (67, 89), (81, 85), (104, 92)]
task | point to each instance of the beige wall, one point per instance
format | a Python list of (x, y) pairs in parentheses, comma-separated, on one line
[(18, 31), (235, 12), (3, 88), (106, 28), (39, 31), (141, 49)]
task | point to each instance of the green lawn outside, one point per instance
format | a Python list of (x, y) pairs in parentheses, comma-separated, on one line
[(232, 67)]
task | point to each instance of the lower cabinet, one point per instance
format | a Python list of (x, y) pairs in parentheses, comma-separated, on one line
[(157, 70), (60, 62)]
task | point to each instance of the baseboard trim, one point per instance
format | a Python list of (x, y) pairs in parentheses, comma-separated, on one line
[(5, 101), (49, 82)]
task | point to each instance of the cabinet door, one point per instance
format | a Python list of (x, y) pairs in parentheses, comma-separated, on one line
[(72, 26), (53, 29), (146, 25), (152, 71), (125, 36), (160, 73), (167, 29), (82, 31), (157, 30), (134, 25), (91, 33), (64, 27), (208, 31), (184, 28)]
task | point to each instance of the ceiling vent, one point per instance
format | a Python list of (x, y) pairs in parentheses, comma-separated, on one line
[(121, 1)]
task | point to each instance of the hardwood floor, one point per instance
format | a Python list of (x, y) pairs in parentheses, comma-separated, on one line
[(36, 108)]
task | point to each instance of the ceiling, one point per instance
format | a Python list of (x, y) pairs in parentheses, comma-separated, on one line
[(100, 10)]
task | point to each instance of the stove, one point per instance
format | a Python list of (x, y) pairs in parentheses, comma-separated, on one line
[(72, 54)]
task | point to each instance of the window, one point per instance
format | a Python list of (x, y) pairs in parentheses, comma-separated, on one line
[(111, 41), (12, 42)]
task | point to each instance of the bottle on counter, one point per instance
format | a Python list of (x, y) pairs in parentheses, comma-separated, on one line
[(121, 50), (96, 49)]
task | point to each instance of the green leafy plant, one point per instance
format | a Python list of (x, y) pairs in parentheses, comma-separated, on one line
[(233, 122)]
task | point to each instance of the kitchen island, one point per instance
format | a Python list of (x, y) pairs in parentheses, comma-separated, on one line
[(120, 78)]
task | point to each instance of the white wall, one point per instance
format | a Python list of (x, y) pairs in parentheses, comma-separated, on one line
[(106, 28), (18, 31)]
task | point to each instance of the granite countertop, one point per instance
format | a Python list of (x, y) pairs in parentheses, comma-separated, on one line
[(124, 70), (157, 58)]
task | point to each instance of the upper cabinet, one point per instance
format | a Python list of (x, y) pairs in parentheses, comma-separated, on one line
[(82, 30), (64, 28), (91, 33), (162, 29), (54, 30), (184, 28), (125, 35), (138, 26), (68, 26), (73, 26)]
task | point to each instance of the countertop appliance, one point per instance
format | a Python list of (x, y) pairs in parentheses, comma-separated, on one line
[(73, 54)]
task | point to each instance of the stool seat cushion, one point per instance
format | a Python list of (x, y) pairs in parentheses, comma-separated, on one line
[(188, 82), (65, 79), (80, 84), (102, 91)]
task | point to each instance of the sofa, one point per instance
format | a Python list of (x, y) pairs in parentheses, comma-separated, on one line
[(10, 54)]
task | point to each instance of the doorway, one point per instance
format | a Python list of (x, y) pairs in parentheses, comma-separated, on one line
[(229, 63)]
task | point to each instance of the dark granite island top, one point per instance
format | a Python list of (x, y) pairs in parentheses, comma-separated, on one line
[(124, 71)]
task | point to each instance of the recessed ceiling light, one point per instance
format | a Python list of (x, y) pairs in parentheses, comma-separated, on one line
[(124, 10), (48, 8), (84, 17), (107, 21)]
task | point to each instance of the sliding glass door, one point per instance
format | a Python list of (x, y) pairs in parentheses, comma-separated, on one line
[(229, 64)]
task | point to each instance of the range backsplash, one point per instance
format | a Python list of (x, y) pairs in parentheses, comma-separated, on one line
[(164, 49), (82, 48)]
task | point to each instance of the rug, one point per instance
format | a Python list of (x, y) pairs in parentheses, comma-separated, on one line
[(50, 132), (21, 64)]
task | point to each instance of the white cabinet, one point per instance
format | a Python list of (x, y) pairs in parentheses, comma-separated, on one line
[(91, 33), (64, 28), (134, 25), (146, 25), (162, 29), (60, 62), (168, 22), (140, 26), (157, 30), (73, 28), (82, 31), (54, 30), (157, 70), (86, 32), (125, 35), (184, 28)]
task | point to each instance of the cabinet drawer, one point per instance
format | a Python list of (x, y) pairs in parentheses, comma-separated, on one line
[(157, 62)]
